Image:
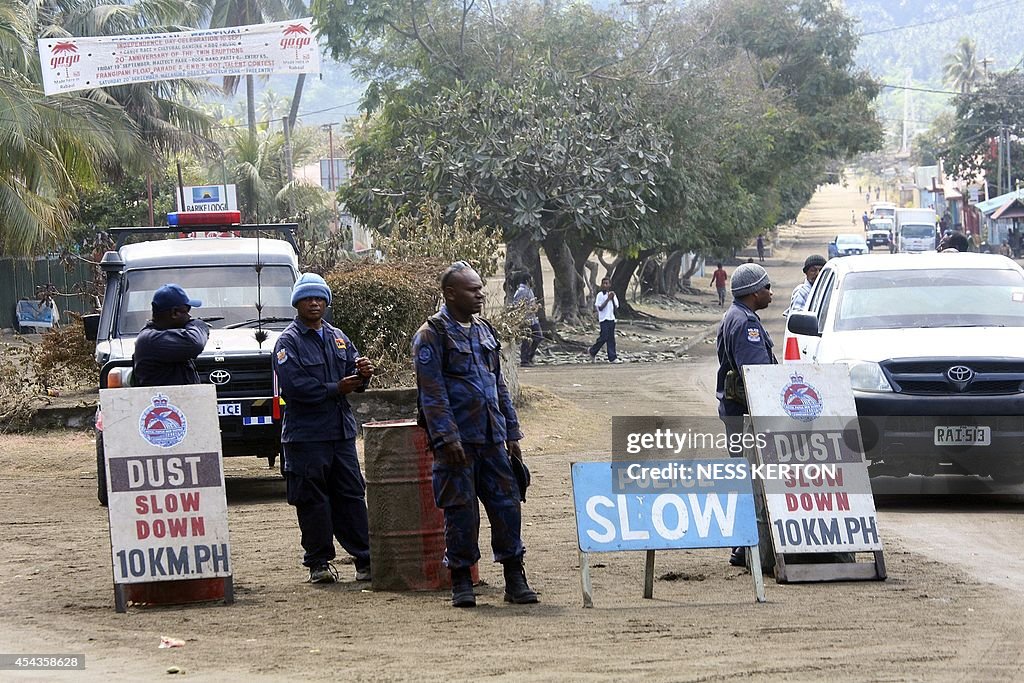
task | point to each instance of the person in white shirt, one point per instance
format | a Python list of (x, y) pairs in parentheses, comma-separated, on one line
[(605, 304)]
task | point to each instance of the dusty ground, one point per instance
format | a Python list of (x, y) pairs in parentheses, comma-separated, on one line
[(935, 618)]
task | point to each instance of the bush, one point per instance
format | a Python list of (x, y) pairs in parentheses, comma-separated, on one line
[(66, 358), (381, 305)]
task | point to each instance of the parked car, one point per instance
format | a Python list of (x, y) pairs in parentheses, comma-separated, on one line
[(847, 245), (936, 363)]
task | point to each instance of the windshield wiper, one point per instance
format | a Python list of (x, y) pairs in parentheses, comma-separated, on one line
[(255, 321), (212, 319)]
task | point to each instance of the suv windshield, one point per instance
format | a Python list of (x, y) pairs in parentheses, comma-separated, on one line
[(227, 292), (885, 300), (853, 240)]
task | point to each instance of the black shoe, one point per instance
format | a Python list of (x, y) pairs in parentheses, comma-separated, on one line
[(462, 588), (516, 589), (363, 572), (738, 557), (324, 573)]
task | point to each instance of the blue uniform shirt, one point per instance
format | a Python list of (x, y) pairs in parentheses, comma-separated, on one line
[(166, 357), (462, 393), (742, 340), (308, 370)]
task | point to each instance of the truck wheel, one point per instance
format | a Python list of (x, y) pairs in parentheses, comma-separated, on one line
[(101, 471)]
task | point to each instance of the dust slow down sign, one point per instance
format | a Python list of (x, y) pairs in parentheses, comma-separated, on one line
[(167, 507), (805, 421)]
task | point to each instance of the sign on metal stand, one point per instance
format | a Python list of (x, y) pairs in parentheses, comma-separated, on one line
[(167, 506), (820, 508), (617, 511)]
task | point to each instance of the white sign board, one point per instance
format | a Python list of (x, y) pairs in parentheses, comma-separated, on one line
[(288, 47), (804, 414), (206, 198), (165, 481)]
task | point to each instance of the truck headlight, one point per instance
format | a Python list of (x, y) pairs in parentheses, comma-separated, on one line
[(119, 377), (867, 376)]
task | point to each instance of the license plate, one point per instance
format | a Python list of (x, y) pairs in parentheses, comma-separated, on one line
[(963, 435), (229, 409)]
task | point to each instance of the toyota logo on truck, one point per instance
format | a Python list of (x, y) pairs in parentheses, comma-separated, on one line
[(220, 377)]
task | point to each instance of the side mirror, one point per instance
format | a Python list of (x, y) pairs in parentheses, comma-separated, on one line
[(91, 323), (803, 322)]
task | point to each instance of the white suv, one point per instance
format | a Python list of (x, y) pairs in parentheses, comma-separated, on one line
[(934, 345)]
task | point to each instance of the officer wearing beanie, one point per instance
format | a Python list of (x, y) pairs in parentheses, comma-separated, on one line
[(742, 340), (317, 367), (166, 348), (812, 266)]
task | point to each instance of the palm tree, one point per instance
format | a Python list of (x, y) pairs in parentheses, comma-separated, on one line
[(245, 12), (962, 69), (50, 145)]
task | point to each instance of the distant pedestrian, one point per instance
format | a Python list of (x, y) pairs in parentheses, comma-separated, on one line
[(853, 217), (878, 191), (718, 279), (864, 219), (524, 295), (760, 247), (867, 197), (605, 304)]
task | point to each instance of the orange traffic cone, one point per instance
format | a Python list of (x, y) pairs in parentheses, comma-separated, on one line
[(792, 349)]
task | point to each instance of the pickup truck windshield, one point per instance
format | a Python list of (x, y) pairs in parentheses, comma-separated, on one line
[(886, 300), (227, 292)]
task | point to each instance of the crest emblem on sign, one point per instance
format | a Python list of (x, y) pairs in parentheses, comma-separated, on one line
[(162, 424), (800, 400)]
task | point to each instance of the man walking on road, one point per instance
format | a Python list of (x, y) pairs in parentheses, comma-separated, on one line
[(605, 304), (317, 366), (760, 248), (718, 279), (524, 295), (474, 434)]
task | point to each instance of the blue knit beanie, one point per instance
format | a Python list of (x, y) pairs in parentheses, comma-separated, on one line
[(310, 284)]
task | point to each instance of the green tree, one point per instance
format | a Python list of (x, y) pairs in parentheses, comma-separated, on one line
[(961, 68)]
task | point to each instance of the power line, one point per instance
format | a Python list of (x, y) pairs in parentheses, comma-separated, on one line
[(976, 10)]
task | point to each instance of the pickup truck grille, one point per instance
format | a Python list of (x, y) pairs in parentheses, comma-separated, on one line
[(932, 377), (249, 377)]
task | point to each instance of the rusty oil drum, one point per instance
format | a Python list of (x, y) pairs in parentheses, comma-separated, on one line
[(406, 528)]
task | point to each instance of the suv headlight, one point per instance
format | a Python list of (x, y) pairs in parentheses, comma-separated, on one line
[(867, 376)]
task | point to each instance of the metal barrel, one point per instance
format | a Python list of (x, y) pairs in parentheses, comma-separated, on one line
[(406, 528)]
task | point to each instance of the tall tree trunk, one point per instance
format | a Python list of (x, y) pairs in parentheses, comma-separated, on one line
[(687, 277), (293, 113), (621, 276), (566, 280), (670, 274), (581, 250), (522, 255)]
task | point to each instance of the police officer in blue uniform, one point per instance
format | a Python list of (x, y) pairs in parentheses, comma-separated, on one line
[(317, 366), (742, 340), (166, 348), (474, 432)]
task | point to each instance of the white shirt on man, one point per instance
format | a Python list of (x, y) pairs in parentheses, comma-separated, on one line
[(608, 312)]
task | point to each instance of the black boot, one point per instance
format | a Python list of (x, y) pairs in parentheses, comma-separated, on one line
[(516, 588), (462, 588)]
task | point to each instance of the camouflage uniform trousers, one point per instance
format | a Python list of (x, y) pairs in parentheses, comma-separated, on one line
[(488, 477)]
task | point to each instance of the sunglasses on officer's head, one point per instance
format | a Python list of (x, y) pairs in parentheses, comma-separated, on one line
[(768, 286)]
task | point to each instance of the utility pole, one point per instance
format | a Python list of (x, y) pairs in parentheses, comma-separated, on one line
[(1009, 166), (999, 163), (286, 122), (334, 190)]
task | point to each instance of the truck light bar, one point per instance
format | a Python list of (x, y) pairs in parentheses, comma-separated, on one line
[(217, 218)]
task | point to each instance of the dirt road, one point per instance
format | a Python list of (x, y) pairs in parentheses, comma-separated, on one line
[(938, 617)]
